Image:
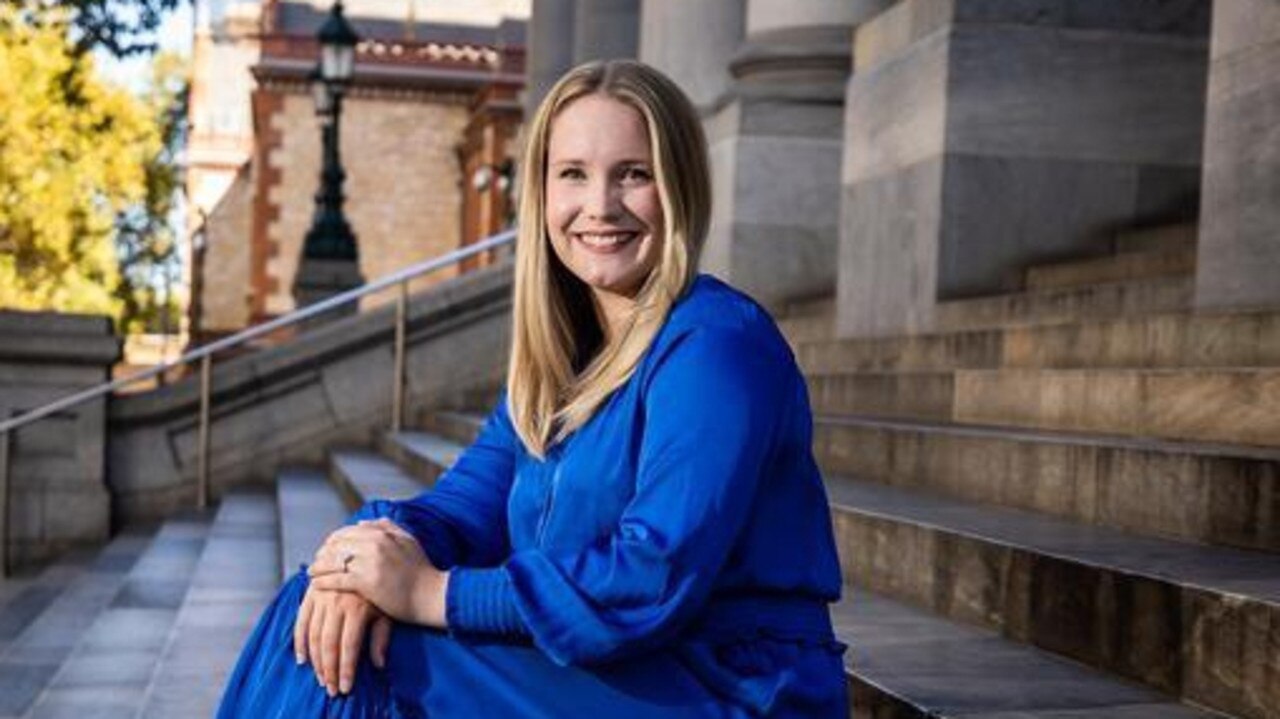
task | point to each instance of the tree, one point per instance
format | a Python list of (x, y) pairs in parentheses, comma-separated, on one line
[(121, 27), (145, 240), (79, 160)]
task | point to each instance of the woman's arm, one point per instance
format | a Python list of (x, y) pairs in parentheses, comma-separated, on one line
[(463, 519), (714, 405)]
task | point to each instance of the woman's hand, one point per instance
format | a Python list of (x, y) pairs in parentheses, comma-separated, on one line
[(385, 565), (329, 633)]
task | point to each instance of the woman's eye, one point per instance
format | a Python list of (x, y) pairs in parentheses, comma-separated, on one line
[(636, 174), (571, 173)]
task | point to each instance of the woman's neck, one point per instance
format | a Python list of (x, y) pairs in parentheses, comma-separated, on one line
[(612, 311)]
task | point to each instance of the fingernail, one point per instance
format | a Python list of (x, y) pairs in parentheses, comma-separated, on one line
[(346, 685), (330, 691), (298, 659)]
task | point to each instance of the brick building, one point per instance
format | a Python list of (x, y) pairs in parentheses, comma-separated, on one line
[(430, 119)]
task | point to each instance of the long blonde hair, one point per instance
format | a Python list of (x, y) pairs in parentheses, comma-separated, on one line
[(562, 368)]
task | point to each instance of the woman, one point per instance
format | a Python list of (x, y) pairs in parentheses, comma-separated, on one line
[(640, 529)]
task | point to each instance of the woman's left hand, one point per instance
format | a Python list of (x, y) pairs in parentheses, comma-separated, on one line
[(384, 564)]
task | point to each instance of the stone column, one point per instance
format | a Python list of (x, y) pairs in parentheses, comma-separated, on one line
[(1239, 248), (984, 136), (605, 30), (693, 43), (57, 465), (551, 29), (775, 150)]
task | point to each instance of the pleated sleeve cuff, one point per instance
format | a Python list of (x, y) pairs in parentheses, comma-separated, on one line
[(481, 601)]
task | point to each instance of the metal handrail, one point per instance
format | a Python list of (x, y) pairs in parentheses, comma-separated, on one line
[(205, 356)]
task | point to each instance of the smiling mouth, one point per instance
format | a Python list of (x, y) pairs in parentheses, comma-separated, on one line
[(605, 242)]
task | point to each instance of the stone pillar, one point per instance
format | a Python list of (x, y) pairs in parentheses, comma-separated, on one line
[(984, 136), (56, 466), (775, 151), (693, 43), (1239, 248), (551, 28), (605, 30)]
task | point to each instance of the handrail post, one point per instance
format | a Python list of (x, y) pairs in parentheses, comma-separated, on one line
[(398, 370), (4, 504), (202, 466)]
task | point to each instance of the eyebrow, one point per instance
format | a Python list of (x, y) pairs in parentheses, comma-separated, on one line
[(581, 162)]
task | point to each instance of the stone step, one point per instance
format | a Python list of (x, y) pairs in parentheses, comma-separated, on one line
[(1157, 238), (1193, 621), (237, 575), (1177, 261), (25, 595), (112, 663), (465, 400), (309, 508), (912, 395), (44, 621), (808, 320), (1099, 301), (1241, 339), (362, 476), (1218, 494), (1237, 406), (423, 455), (904, 663), (457, 426), (1233, 406), (807, 328)]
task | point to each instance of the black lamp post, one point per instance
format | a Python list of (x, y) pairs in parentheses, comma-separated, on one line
[(330, 260)]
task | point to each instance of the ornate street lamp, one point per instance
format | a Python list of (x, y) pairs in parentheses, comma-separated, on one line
[(330, 260)]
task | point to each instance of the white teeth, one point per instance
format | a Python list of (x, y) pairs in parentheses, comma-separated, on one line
[(605, 240)]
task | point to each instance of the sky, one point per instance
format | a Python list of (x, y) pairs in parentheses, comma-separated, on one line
[(174, 34)]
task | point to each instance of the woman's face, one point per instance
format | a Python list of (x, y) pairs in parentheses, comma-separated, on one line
[(602, 208)]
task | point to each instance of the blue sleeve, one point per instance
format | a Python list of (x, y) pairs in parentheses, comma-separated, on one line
[(463, 519), (713, 405)]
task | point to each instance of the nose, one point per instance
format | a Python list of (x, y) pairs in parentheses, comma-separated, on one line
[(601, 201)]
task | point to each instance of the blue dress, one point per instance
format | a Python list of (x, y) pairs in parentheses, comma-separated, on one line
[(673, 557)]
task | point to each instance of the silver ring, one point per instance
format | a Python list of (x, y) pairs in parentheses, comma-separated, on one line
[(346, 562)]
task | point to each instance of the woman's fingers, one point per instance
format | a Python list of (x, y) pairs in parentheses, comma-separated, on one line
[(330, 645), (354, 620), (379, 640), (314, 629), (332, 559), (301, 626), (338, 581)]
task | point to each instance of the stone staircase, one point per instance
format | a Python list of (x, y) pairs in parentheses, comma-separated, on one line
[(1053, 510), (1063, 502)]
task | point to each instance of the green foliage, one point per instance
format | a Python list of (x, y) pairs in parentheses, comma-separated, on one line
[(87, 175), (120, 27)]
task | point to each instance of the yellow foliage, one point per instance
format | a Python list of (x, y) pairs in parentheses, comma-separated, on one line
[(73, 151)]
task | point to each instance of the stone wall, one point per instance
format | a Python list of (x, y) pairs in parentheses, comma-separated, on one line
[(288, 405), (403, 185), (58, 497), (225, 292)]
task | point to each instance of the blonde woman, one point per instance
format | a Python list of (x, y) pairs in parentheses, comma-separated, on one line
[(640, 529)]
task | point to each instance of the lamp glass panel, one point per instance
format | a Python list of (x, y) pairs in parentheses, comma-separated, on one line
[(337, 62)]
